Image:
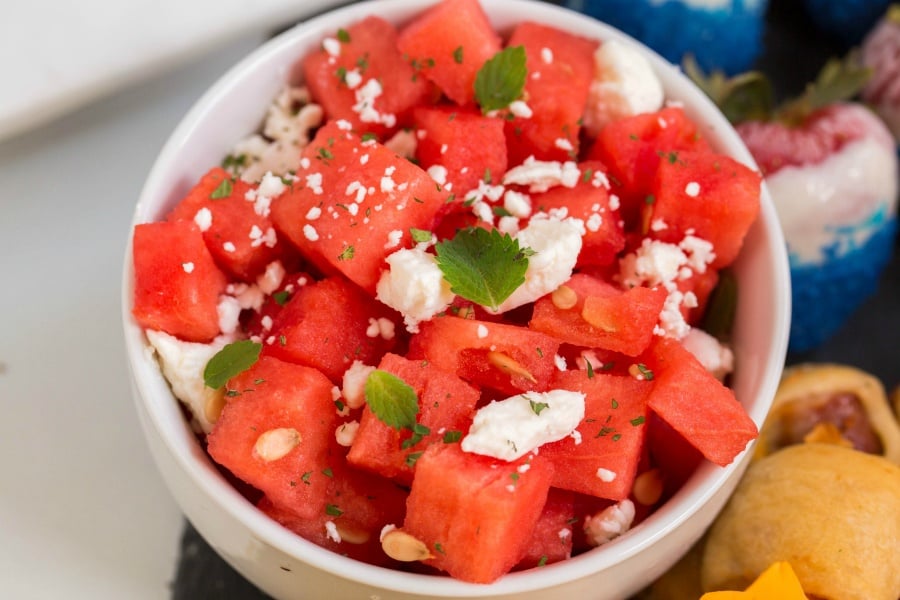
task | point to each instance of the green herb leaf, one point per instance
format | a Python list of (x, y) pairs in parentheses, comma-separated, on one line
[(223, 190), (501, 79), (537, 407), (637, 421), (347, 253), (333, 510), (233, 359), (458, 55), (452, 436), (281, 298), (419, 235), (343, 36), (411, 458), (483, 266), (392, 400)]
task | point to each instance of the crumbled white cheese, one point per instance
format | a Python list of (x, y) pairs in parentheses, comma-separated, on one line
[(229, 312), (609, 523), (345, 433), (271, 279), (353, 383), (414, 286), (517, 204), (203, 219), (556, 244), (692, 189), (605, 475), (511, 428), (715, 357), (331, 531), (541, 175), (624, 85), (182, 365)]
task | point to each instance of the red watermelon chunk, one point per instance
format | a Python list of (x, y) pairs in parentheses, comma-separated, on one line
[(176, 281), (274, 433), (553, 533), (327, 324), (633, 147), (446, 405), (603, 316), (502, 357), (603, 459), (471, 147), (448, 44), (360, 76), (710, 194), (476, 514), (354, 204), (589, 201), (237, 231), (357, 506), (696, 404), (560, 68)]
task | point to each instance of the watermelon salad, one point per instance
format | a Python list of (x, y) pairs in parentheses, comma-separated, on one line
[(444, 312)]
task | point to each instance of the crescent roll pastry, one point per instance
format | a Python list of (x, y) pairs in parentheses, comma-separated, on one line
[(831, 403), (833, 513)]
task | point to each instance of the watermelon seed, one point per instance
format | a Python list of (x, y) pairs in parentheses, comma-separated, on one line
[(276, 443), (404, 547), (564, 297), (352, 535), (648, 487), (509, 365), (214, 404)]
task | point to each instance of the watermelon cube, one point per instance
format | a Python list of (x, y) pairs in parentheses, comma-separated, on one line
[(710, 194), (589, 201), (176, 281), (475, 514), (601, 315), (553, 533), (274, 433), (237, 231), (633, 147), (327, 324), (354, 204), (560, 68), (448, 44), (468, 145), (357, 506), (502, 357), (603, 458), (360, 76), (696, 404), (446, 406)]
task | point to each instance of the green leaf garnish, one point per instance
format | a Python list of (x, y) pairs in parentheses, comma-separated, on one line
[(281, 297), (537, 407), (333, 510), (501, 79), (419, 235), (483, 266), (346, 254), (223, 190), (343, 36), (458, 55), (233, 359), (392, 400), (454, 435)]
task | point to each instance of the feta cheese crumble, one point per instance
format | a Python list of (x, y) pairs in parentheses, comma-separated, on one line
[(624, 85), (414, 286), (511, 428), (609, 523)]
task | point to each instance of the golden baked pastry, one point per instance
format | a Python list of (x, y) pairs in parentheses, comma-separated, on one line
[(833, 513), (831, 403)]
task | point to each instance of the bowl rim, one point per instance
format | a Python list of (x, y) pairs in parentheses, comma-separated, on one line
[(154, 396)]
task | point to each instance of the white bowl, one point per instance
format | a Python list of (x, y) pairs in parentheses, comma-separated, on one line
[(288, 567)]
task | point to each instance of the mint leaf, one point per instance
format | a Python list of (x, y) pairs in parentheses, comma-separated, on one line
[(392, 400), (483, 266), (233, 359), (501, 79)]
